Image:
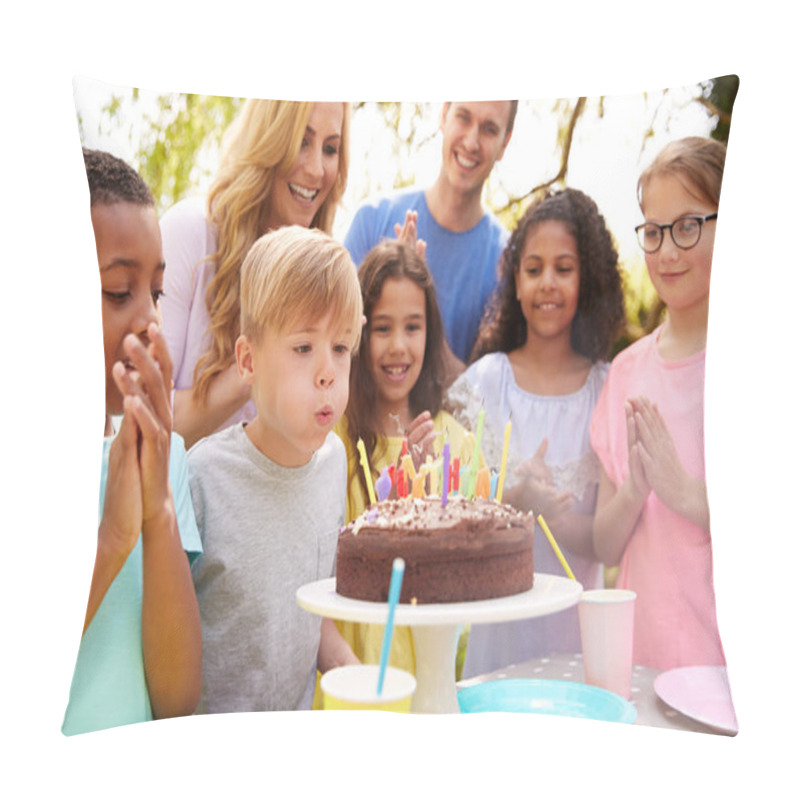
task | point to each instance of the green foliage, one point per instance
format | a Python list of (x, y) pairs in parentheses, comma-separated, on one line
[(178, 140), (186, 127), (718, 96)]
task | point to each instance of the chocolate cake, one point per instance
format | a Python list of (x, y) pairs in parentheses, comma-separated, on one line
[(466, 550)]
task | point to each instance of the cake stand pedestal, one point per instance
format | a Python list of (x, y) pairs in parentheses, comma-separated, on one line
[(436, 627)]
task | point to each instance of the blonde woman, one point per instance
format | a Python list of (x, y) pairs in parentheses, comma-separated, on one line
[(283, 163)]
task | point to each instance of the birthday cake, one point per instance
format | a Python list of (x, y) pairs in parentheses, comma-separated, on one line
[(466, 550)]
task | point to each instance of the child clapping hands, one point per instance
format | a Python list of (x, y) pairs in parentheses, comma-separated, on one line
[(140, 654)]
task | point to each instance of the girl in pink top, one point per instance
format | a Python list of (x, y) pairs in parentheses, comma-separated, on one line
[(652, 509)]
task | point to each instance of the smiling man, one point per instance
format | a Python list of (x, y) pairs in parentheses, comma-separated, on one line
[(463, 240)]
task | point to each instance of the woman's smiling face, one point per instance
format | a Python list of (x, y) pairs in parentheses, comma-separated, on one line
[(297, 196)]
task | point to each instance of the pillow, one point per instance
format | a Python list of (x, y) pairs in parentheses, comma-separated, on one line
[(598, 145)]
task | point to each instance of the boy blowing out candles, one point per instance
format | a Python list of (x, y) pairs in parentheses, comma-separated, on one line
[(269, 495)]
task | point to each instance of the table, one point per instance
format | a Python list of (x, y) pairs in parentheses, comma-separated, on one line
[(436, 626), (651, 710)]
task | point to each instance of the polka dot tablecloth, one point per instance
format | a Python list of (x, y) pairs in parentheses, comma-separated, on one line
[(651, 710)]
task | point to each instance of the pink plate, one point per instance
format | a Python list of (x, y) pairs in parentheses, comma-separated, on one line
[(702, 693)]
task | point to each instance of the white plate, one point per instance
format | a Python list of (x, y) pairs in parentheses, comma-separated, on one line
[(702, 693)]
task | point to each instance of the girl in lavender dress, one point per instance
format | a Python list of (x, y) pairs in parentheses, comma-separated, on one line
[(540, 362)]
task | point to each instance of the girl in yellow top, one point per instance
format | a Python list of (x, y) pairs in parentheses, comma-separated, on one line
[(396, 390)]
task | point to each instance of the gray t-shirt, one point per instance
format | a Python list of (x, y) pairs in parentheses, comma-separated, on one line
[(266, 531)]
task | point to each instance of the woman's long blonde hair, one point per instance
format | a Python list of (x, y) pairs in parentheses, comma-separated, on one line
[(262, 142)]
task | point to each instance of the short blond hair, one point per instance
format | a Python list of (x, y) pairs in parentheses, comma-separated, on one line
[(296, 273)]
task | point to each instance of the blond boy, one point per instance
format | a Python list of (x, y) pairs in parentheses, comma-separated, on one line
[(269, 495)]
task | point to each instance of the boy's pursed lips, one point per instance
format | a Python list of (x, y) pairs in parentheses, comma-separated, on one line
[(324, 415)]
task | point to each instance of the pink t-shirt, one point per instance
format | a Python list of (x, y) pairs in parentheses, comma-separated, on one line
[(667, 560), (187, 239)]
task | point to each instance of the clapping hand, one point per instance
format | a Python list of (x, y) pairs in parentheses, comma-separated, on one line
[(538, 490), (407, 233), (146, 392), (656, 459), (638, 478)]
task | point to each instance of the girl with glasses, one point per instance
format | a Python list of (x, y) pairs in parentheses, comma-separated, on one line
[(652, 515)]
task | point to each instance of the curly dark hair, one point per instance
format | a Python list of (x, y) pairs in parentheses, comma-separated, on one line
[(111, 181), (393, 259), (600, 314)]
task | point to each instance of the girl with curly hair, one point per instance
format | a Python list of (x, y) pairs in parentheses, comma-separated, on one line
[(283, 163), (540, 362)]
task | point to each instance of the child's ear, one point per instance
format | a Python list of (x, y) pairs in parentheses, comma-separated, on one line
[(244, 359)]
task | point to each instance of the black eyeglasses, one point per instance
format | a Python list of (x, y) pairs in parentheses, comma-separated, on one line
[(685, 232)]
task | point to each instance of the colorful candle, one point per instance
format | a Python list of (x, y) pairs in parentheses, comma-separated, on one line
[(418, 486), (365, 466), (408, 465), (503, 463), (433, 475), (445, 472), (384, 484), (401, 484), (476, 453), (483, 485), (456, 474)]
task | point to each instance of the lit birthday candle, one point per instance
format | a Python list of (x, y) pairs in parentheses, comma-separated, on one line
[(504, 461), (365, 466)]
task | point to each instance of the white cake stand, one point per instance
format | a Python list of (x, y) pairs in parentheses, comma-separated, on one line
[(436, 627)]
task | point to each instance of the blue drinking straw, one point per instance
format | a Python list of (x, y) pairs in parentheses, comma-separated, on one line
[(398, 567)]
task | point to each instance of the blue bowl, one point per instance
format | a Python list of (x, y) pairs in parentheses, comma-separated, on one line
[(564, 698)]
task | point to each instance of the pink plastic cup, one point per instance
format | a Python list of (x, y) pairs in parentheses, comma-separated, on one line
[(606, 622)]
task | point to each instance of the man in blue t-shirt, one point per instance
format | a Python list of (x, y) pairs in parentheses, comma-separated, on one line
[(463, 242)]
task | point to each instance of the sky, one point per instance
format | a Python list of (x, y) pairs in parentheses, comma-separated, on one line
[(52, 398)]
